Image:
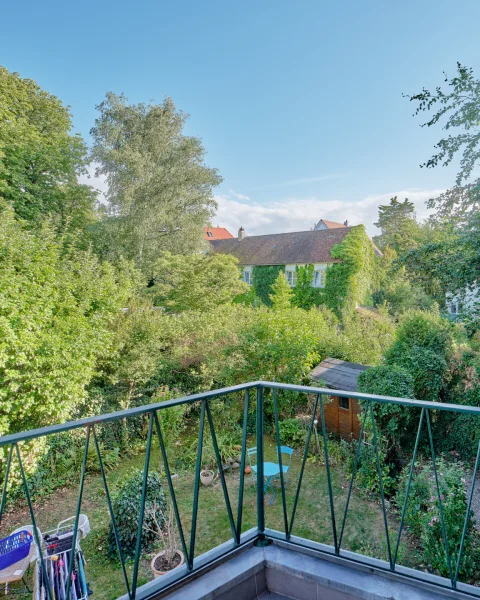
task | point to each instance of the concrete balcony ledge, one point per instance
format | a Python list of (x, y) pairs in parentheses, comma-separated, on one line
[(282, 570)]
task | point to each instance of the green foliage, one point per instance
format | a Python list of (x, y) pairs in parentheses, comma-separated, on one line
[(263, 279), (56, 311), (281, 345), (306, 296), (126, 510), (402, 296), (386, 380), (281, 296), (461, 432), (454, 262), (461, 106), (422, 517), (366, 478), (160, 190), (196, 282), (352, 280), (396, 423), (40, 159), (364, 336), (423, 345), (292, 433), (398, 226)]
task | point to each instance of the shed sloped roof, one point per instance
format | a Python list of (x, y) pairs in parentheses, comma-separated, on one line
[(300, 247), (338, 374)]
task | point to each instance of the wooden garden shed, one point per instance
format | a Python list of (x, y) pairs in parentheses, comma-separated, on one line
[(341, 414)]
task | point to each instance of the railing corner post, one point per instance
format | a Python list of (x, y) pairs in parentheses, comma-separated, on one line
[(260, 476)]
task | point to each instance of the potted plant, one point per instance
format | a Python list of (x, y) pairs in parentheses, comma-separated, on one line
[(206, 476), (170, 557)]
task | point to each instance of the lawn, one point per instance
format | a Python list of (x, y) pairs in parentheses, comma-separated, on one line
[(364, 530)]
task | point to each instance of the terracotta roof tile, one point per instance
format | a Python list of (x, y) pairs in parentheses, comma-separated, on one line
[(217, 233), (333, 225)]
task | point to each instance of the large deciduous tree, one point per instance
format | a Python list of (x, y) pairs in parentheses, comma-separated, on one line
[(196, 282), (160, 191), (459, 105), (40, 159), (57, 305)]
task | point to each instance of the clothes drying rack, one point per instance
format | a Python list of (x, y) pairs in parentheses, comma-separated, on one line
[(59, 551)]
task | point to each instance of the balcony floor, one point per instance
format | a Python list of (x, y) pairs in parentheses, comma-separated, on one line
[(280, 572)]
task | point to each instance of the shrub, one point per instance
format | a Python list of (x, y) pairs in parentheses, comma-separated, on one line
[(364, 337), (395, 422), (263, 278), (126, 509), (292, 433), (281, 296), (422, 517), (422, 347)]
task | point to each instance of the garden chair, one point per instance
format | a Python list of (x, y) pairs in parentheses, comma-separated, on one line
[(252, 455), (287, 453)]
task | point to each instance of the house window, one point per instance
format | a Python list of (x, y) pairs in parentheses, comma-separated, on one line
[(454, 308), (247, 275), (291, 275), (319, 273), (318, 279), (344, 403), (209, 234)]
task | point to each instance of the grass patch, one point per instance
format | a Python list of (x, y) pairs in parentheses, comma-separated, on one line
[(364, 529)]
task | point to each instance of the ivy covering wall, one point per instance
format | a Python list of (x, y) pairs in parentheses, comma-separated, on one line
[(352, 280), (263, 279)]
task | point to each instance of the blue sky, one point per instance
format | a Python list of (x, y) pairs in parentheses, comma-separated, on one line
[(299, 103)]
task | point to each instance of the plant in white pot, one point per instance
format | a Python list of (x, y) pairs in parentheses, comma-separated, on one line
[(163, 527)]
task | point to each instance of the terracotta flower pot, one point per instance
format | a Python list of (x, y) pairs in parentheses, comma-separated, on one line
[(248, 470), (157, 573), (206, 476)]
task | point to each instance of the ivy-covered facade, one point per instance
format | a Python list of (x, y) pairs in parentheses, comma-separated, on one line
[(334, 267)]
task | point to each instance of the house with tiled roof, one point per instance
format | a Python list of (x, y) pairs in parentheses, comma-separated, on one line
[(324, 224), (216, 233), (289, 250)]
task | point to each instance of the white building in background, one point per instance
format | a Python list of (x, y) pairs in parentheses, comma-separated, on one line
[(465, 301)]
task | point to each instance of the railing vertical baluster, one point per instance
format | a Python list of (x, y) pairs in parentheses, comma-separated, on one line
[(439, 496), (222, 474), (241, 486), (280, 464), (170, 486), (260, 477), (380, 485), (5, 483), (407, 492), (354, 470), (77, 513), (302, 468), (38, 541), (329, 478), (143, 500), (467, 516), (197, 486), (110, 510)]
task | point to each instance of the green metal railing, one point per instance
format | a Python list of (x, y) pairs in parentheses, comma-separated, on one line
[(261, 534)]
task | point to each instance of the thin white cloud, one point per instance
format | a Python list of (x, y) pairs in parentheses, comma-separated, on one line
[(238, 196), (301, 214), (302, 180)]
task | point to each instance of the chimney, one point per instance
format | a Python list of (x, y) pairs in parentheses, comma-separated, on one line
[(346, 223), (241, 234)]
